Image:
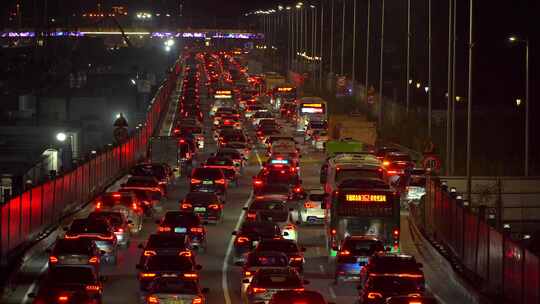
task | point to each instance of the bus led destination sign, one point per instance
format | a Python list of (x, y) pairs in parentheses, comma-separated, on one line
[(366, 198)]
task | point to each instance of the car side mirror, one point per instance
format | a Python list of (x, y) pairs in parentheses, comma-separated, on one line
[(140, 246), (130, 222), (306, 282), (245, 208), (303, 249), (158, 222), (198, 267), (205, 290), (138, 266), (245, 281), (419, 265), (335, 248), (31, 295), (233, 233), (102, 278), (285, 233), (102, 252)]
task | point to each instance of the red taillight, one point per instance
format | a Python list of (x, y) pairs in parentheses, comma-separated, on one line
[(258, 290), (296, 259), (298, 189), (248, 273), (251, 215), (298, 289), (63, 299), (374, 295), (53, 260), (148, 253), (117, 195), (213, 206), (93, 260), (395, 233), (309, 205), (148, 275), (333, 232), (257, 182), (196, 181), (186, 206), (152, 300), (242, 239), (197, 300), (135, 206), (186, 253), (164, 229), (92, 288), (197, 230), (220, 181), (120, 230), (98, 205), (344, 253), (191, 275)]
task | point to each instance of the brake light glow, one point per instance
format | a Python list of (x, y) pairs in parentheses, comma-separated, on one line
[(196, 181), (191, 275), (93, 260), (258, 290), (296, 259), (251, 215), (186, 206), (298, 289), (120, 230), (196, 230), (309, 205), (164, 229), (258, 182), (92, 288), (148, 253), (344, 253), (134, 206), (242, 239), (197, 300), (386, 163), (298, 189), (220, 181), (288, 227), (333, 231), (374, 295), (186, 253), (117, 195), (53, 260), (63, 298), (152, 300), (213, 206), (98, 205), (395, 233), (148, 275), (248, 273)]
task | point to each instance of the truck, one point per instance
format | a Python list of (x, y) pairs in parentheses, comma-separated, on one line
[(334, 147), (352, 127), (273, 80), (164, 150)]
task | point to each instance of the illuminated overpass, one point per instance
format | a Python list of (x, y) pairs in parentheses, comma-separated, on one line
[(113, 31)]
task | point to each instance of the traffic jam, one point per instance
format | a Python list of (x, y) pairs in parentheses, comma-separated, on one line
[(245, 149)]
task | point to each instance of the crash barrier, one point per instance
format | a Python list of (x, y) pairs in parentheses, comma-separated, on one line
[(25, 217), (498, 265)]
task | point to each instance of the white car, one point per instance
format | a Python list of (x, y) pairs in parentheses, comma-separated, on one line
[(256, 118), (311, 212)]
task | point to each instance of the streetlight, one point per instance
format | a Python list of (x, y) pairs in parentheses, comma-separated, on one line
[(515, 39), (61, 136), (518, 102)]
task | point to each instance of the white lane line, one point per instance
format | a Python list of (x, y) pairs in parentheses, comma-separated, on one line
[(33, 287), (332, 292), (321, 267), (225, 267)]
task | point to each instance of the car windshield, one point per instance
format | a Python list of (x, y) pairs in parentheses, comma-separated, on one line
[(116, 199), (263, 114), (344, 174), (363, 247), (77, 246), (395, 284), (287, 281), (141, 182), (72, 275), (273, 216), (278, 245), (395, 265), (267, 205), (267, 260), (229, 154), (115, 218), (174, 285), (275, 189), (263, 229), (219, 161), (208, 174), (86, 226), (202, 197), (149, 170), (182, 218), (170, 263), (166, 241)]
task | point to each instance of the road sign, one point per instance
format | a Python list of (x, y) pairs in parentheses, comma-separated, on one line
[(432, 162)]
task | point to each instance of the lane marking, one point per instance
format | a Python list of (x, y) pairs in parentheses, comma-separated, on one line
[(332, 292), (225, 267), (33, 287)]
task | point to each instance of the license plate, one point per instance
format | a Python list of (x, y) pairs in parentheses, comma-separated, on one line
[(199, 209), (180, 230), (208, 182), (362, 260), (172, 275)]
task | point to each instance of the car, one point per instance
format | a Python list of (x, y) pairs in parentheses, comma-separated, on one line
[(185, 289), (311, 211), (149, 199), (397, 163), (297, 296), (252, 109), (124, 202), (271, 139), (226, 165), (196, 131), (319, 138), (97, 230), (391, 263), (378, 288), (167, 266), (166, 244), (159, 171), (249, 235), (264, 133), (70, 284), (294, 252), (69, 252), (237, 158), (242, 148), (208, 206), (182, 222), (266, 282), (353, 254), (411, 299), (381, 152), (261, 259), (147, 183), (119, 223), (283, 219), (208, 180), (262, 114), (265, 204)]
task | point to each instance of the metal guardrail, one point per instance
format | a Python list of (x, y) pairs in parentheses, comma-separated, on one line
[(496, 264), (25, 217)]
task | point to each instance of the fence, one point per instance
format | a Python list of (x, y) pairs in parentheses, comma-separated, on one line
[(498, 265), (24, 217)]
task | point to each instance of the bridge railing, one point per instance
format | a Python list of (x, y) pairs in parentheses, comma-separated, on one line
[(497, 265), (25, 217)]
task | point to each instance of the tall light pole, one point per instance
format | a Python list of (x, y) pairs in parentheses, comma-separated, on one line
[(353, 68), (453, 87), (331, 36), (408, 92), (430, 90), (343, 38), (470, 100), (527, 100), (381, 67), (313, 42), (368, 26), (321, 76), (450, 90), (289, 37)]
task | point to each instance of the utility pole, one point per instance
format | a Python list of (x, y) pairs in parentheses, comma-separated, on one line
[(353, 68), (343, 38), (449, 86), (470, 100), (381, 67), (331, 36), (408, 92), (321, 48), (368, 37), (430, 87), (453, 87)]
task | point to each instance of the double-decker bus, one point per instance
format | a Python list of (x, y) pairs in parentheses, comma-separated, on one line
[(363, 207), (310, 108)]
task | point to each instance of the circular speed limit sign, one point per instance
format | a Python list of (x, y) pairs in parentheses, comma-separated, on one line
[(432, 162)]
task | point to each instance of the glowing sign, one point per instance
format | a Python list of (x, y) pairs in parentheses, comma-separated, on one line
[(312, 110), (312, 105), (223, 92), (368, 198), (280, 161), (284, 89)]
